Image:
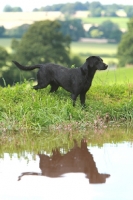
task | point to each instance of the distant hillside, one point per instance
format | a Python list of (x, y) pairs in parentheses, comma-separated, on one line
[(15, 19)]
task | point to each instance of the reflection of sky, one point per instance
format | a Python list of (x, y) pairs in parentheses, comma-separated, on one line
[(114, 159)]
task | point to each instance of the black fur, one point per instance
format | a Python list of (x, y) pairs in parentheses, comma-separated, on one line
[(77, 81)]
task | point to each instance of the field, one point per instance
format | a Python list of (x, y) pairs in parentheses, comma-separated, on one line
[(14, 19), (85, 49), (121, 21), (116, 76), (6, 43)]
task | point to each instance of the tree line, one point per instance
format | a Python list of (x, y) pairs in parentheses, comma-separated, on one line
[(73, 28), (96, 9)]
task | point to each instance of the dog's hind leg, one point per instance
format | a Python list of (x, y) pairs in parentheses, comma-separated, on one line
[(43, 81), (40, 85), (54, 87), (82, 98), (74, 97)]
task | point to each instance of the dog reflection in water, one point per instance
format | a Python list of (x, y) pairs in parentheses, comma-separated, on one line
[(77, 160)]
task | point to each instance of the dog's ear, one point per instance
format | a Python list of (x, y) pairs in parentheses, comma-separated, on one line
[(84, 68), (90, 61)]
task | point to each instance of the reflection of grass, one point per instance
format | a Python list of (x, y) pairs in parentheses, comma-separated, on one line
[(121, 21), (47, 141)]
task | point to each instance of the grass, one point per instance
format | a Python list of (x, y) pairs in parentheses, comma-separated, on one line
[(113, 77), (93, 48), (23, 108)]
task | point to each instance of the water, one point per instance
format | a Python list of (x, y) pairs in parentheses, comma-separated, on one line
[(85, 172)]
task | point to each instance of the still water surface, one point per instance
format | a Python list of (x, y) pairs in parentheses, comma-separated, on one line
[(85, 172)]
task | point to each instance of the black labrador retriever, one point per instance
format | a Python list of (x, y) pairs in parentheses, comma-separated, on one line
[(77, 81)]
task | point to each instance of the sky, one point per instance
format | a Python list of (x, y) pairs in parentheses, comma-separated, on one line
[(30, 5)]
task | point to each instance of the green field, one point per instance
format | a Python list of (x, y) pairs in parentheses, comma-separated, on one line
[(93, 48), (121, 21), (86, 49), (116, 76), (6, 43)]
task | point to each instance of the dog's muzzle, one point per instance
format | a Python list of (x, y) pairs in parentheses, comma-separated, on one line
[(106, 66)]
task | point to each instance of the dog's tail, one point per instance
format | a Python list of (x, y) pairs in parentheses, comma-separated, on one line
[(26, 68)]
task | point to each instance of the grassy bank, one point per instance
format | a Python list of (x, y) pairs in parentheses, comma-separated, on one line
[(23, 108), (33, 121)]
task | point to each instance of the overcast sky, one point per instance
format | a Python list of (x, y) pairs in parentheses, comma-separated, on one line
[(30, 5)]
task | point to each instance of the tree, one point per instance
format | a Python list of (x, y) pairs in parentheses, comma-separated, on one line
[(73, 28), (17, 9), (125, 47), (8, 8), (17, 32), (97, 12), (68, 8), (110, 10), (96, 9), (43, 42), (110, 30), (95, 33), (4, 56), (129, 11), (2, 31)]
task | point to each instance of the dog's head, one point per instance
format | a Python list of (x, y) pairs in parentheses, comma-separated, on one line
[(94, 62)]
